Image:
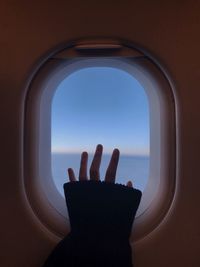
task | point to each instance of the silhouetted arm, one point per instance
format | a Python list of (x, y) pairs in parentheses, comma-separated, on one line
[(101, 216)]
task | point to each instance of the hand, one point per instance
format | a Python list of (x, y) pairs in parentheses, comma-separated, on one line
[(101, 217), (94, 169)]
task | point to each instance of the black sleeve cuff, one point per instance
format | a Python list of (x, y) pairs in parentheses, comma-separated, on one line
[(101, 207)]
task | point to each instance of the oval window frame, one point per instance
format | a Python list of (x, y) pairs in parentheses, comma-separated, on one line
[(42, 195)]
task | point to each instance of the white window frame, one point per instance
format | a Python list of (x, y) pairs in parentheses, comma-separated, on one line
[(45, 201)]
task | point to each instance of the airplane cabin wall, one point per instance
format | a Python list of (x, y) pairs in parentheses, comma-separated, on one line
[(169, 32)]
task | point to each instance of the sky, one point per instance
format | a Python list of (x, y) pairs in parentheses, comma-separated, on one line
[(100, 105)]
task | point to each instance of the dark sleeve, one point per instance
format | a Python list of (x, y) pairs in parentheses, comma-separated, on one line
[(101, 216)]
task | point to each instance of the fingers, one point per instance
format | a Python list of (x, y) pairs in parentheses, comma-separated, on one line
[(83, 167), (112, 167), (94, 169), (95, 166), (71, 175)]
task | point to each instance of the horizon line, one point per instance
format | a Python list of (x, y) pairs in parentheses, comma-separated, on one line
[(104, 153)]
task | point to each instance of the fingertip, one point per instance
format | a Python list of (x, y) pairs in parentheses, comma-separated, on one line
[(84, 154), (129, 184), (116, 150), (99, 147), (116, 153)]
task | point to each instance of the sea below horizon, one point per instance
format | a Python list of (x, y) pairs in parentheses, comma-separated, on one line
[(134, 168)]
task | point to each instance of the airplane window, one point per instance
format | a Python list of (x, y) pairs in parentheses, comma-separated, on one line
[(119, 98), (100, 105)]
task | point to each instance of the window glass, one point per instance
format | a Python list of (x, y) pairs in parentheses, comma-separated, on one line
[(100, 105)]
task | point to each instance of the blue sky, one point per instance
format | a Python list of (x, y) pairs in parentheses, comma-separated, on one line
[(100, 105)]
